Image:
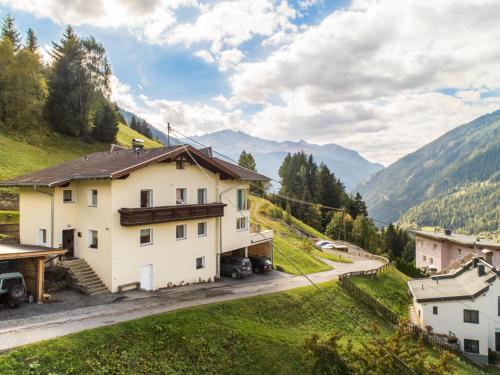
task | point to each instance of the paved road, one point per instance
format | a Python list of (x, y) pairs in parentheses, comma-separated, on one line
[(140, 304)]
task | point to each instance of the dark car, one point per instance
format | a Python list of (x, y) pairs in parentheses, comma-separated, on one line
[(235, 266), (261, 265)]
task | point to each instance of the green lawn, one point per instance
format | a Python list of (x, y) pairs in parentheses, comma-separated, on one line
[(334, 257), (389, 287), (126, 134), (250, 336), (306, 262), (9, 217), (49, 148), (300, 251)]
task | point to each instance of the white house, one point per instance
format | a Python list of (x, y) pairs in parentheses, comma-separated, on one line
[(439, 249), (159, 217), (465, 304)]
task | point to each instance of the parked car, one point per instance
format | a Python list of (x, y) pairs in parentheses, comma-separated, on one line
[(12, 287), (321, 243), (261, 265), (334, 246), (235, 266)]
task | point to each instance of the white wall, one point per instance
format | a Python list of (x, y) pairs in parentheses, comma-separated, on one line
[(232, 238), (119, 256), (35, 209), (450, 318), (174, 261)]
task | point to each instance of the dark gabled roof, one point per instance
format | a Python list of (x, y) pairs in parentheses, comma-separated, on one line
[(460, 239), (119, 163), (245, 174)]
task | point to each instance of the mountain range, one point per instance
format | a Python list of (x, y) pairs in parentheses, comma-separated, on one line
[(347, 164), (451, 182)]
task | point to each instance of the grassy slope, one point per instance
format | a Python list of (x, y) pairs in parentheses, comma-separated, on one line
[(44, 150), (389, 287), (298, 250), (9, 217), (254, 335)]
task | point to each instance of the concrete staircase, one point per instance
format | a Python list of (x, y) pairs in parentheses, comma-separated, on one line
[(83, 276)]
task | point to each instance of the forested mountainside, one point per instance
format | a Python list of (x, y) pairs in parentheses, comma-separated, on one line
[(471, 209), (455, 180)]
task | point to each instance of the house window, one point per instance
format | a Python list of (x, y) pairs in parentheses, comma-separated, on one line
[(180, 232), (435, 310), (68, 196), (93, 239), (181, 195), (42, 236), (146, 236), (146, 198), (202, 229), (202, 196), (471, 346), (434, 247), (179, 164), (93, 198), (431, 261), (471, 316), (459, 252), (424, 258), (241, 223), (241, 199), (200, 263)]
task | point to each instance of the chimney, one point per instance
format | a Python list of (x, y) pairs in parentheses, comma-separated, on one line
[(447, 232), (488, 256), (137, 144), (480, 270)]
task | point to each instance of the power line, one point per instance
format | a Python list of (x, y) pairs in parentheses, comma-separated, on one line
[(296, 200), (332, 300)]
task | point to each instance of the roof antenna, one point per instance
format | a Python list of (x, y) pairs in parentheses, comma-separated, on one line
[(168, 134)]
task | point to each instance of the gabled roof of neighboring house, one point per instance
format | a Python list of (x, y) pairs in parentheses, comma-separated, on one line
[(460, 239), (465, 283), (119, 163)]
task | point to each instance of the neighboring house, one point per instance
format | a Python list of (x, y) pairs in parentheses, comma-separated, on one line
[(464, 304), (438, 249), (153, 216)]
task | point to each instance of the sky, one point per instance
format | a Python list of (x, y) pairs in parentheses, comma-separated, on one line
[(380, 77)]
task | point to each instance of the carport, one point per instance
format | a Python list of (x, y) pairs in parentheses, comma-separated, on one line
[(30, 261), (261, 249)]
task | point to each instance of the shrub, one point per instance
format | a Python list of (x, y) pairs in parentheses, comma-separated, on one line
[(408, 268)]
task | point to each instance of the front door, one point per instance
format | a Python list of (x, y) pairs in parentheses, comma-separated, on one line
[(147, 277), (497, 341), (68, 241)]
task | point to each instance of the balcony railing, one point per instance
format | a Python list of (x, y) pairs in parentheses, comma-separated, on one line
[(165, 214)]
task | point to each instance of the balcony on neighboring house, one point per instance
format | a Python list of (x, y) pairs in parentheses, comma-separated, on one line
[(165, 214)]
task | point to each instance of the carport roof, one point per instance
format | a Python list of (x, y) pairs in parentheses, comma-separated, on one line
[(9, 251)]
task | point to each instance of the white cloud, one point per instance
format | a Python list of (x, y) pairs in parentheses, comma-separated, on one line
[(229, 58), (369, 75), (149, 20), (205, 56)]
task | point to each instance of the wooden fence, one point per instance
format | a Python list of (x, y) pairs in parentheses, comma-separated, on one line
[(438, 342)]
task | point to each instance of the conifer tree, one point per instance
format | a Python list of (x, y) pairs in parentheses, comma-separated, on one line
[(9, 32), (79, 79), (105, 122), (32, 41)]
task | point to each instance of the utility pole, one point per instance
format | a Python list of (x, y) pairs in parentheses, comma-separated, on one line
[(168, 134)]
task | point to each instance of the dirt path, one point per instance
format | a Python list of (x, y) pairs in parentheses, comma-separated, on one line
[(16, 332)]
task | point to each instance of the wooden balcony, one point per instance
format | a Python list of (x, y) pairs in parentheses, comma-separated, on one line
[(166, 214)]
